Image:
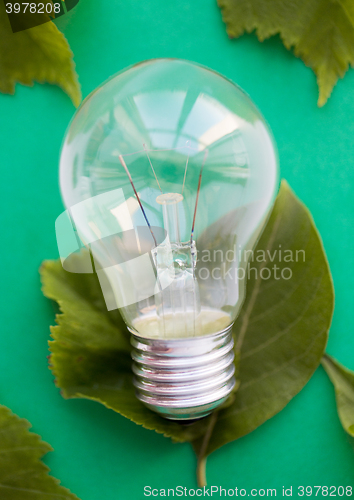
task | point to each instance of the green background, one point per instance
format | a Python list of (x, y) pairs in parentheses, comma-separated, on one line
[(99, 454)]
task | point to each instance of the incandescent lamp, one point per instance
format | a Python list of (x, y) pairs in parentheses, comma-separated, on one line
[(168, 173)]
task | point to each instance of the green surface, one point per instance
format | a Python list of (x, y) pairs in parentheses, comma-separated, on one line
[(99, 454)]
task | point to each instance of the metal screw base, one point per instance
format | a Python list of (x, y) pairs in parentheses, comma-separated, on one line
[(184, 379)]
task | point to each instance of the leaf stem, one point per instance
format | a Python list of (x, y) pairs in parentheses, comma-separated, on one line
[(201, 472), (202, 457)]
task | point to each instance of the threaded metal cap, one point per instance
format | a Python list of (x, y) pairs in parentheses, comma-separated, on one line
[(184, 379)]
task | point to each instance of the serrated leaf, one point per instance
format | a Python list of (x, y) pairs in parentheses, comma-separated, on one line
[(343, 381), (39, 54), (281, 332), (320, 32), (91, 349), (22, 474)]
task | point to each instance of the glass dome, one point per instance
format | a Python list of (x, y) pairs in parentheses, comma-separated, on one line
[(163, 147)]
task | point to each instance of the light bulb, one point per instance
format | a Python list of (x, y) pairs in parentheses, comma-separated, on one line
[(168, 172)]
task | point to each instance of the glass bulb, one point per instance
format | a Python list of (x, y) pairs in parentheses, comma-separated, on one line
[(168, 172)]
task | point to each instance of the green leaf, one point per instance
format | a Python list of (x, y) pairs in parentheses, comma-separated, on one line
[(320, 32), (91, 349), (281, 332), (39, 54), (343, 381), (22, 475)]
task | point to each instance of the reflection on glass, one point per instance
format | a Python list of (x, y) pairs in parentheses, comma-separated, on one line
[(169, 172)]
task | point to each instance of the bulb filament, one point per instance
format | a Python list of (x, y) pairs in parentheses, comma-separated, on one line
[(137, 196)]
